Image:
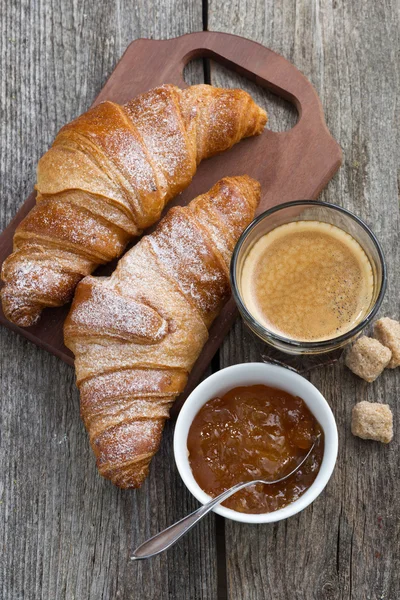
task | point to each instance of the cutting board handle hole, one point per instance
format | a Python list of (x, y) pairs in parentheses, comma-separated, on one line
[(282, 115), (194, 71)]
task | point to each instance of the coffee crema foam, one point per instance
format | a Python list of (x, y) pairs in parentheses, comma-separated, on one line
[(307, 281)]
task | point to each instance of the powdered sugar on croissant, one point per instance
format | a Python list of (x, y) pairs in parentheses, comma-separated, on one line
[(108, 176), (162, 298)]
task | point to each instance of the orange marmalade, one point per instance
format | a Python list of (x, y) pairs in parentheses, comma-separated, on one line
[(255, 432)]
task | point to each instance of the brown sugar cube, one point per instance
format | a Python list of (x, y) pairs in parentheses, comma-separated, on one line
[(372, 421), (367, 358), (387, 331)]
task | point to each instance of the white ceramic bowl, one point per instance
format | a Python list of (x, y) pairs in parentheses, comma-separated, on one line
[(252, 374)]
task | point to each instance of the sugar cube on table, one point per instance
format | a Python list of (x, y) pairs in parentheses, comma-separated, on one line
[(387, 331), (367, 358), (372, 421)]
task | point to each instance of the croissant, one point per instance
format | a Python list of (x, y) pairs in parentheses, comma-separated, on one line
[(137, 334), (107, 176)]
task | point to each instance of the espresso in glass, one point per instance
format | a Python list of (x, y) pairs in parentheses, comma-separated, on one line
[(307, 280)]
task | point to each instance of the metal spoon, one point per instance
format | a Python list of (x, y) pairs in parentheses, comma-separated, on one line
[(168, 537)]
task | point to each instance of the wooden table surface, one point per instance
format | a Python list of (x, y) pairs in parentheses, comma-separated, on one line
[(65, 532)]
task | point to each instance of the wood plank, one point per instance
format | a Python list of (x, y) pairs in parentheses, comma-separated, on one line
[(64, 532), (345, 546)]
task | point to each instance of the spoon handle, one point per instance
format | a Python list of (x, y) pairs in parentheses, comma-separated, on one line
[(166, 538)]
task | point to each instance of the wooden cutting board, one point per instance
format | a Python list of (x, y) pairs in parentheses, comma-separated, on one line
[(292, 165)]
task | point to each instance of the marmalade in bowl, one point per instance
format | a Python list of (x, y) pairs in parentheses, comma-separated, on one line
[(255, 432)]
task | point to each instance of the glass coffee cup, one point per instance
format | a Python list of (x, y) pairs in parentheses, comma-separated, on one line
[(321, 212)]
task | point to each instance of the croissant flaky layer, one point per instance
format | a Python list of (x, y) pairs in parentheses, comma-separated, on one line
[(107, 176), (137, 334)]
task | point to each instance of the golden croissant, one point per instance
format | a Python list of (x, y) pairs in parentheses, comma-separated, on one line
[(107, 176), (137, 334)]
